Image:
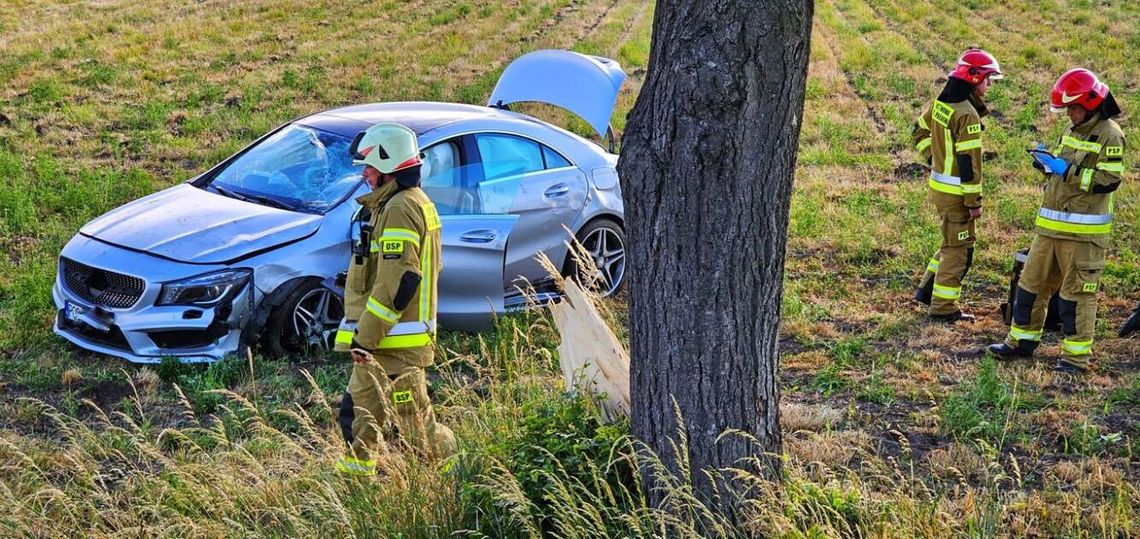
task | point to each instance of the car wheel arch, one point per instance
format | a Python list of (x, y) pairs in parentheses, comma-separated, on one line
[(593, 219), (271, 301), (567, 262)]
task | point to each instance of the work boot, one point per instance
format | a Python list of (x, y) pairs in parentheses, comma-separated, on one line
[(1132, 324), (956, 316), (1068, 368), (1005, 351), (923, 294)]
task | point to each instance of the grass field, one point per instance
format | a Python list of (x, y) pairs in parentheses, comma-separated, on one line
[(893, 427)]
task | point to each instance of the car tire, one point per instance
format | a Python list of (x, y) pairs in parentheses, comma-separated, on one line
[(305, 321), (604, 240)]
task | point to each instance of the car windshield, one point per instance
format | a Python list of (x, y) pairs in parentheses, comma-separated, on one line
[(298, 168)]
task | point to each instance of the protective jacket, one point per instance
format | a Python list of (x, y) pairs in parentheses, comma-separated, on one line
[(1078, 204), (949, 134), (390, 292), (1067, 256)]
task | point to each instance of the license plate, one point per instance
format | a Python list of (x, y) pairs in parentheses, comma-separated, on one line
[(73, 312), (90, 317)]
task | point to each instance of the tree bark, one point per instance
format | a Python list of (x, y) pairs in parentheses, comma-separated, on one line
[(706, 168)]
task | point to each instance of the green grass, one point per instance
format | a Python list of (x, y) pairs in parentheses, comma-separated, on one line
[(986, 407)]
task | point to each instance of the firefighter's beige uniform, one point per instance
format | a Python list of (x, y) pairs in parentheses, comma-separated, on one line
[(943, 133), (1073, 226), (399, 331)]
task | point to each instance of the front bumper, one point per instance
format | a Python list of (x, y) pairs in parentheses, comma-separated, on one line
[(145, 333)]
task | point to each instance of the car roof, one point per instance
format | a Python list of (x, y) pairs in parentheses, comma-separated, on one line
[(425, 117), (419, 116)]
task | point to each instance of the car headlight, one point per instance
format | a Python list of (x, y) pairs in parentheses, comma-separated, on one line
[(204, 290)]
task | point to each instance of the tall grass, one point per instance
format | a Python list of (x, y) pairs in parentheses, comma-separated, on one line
[(534, 462)]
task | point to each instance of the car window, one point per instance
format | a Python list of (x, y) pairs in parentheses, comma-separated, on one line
[(442, 179), (505, 155), (441, 165), (554, 159), (298, 167)]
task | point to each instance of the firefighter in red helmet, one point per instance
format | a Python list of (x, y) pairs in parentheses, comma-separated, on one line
[(949, 136), (1073, 223)]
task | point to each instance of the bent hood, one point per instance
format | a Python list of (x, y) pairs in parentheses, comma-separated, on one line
[(193, 225), (585, 85)]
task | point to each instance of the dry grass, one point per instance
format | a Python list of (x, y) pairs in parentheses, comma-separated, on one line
[(126, 98)]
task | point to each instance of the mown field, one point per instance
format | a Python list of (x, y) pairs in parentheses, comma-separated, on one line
[(893, 427)]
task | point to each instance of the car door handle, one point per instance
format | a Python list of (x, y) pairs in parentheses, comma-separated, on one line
[(478, 236), (557, 190)]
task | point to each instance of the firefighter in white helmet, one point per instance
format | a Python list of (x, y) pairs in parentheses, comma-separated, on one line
[(390, 306)]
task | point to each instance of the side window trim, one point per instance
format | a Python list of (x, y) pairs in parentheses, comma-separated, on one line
[(546, 164), (475, 157)]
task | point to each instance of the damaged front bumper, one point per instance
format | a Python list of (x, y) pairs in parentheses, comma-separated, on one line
[(107, 309)]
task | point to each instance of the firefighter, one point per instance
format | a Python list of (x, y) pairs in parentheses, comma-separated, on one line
[(949, 137), (1073, 224), (390, 306)]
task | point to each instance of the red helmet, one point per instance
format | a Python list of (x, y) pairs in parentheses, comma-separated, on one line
[(975, 65), (1078, 86)]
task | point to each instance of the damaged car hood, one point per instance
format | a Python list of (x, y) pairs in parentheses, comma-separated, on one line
[(189, 224)]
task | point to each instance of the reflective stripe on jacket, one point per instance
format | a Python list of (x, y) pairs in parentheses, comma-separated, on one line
[(1079, 205), (942, 133), (405, 240)]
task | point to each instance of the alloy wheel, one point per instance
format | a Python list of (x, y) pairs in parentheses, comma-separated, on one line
[(316, 319), (607, 250)]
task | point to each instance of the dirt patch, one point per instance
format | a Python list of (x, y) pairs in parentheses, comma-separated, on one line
[(910, 171), (789, 347), (106, 394)]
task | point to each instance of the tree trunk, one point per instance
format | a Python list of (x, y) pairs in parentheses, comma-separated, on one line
[(706, 168)]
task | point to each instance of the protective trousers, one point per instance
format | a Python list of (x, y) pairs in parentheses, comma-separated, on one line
[(1074, 268), (380, 406), (942, 282)]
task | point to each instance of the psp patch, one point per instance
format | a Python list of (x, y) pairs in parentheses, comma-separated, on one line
[(974, 129), (401, 397), (1114, 151), (964, 235), (1090, 287)]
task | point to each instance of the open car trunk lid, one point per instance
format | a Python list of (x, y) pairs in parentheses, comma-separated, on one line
[(585, 85)]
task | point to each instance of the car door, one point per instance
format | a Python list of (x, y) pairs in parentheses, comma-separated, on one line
[(474, 243), (544, 190), (474, 240)]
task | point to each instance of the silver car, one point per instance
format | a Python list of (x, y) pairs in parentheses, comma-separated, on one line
[(237, 255)]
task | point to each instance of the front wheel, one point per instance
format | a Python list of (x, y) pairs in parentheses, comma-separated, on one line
[(305, 322), (604, 242)]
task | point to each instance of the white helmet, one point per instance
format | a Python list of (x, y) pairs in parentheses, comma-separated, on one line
[(387, 146)]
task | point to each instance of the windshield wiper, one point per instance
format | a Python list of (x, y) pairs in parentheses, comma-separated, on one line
[(249, 197), (271, 202), (227, 193)]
